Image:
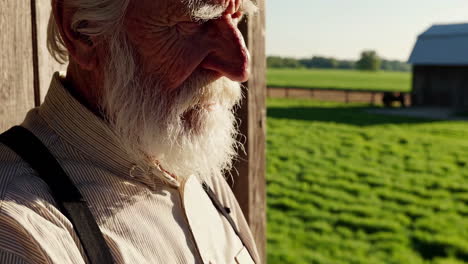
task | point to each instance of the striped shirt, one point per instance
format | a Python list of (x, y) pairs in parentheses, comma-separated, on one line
[(144, 218)]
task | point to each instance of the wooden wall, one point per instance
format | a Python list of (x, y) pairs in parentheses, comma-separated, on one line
[(25, 65), (16, 67), (47, 65)]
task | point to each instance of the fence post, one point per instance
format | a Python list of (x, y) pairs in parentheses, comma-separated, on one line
[(249, 187)]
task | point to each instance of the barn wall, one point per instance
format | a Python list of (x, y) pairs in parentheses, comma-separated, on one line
[(25, 64), (47, 65), (16, 62), (445, 86)]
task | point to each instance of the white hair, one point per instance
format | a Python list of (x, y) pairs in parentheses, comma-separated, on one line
[(201, 10), (93, 18)]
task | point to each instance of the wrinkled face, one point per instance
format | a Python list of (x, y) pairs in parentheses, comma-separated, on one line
[(175, 38), (172, 82)]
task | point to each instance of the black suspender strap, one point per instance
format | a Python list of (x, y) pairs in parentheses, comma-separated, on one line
[(67, 196), (221, 209), (224, 211)]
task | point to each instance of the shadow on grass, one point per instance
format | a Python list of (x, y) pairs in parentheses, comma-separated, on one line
[(346, 115)]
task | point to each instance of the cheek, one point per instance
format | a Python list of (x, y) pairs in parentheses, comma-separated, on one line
[(169, 55)]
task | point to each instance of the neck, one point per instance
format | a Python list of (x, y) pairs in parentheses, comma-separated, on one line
[(85, 86)]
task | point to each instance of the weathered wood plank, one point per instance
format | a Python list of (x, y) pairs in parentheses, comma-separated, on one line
[(47, 64), (249, 187), (16, 67)]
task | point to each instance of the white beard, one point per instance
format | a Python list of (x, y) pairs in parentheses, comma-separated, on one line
[(172, 129)]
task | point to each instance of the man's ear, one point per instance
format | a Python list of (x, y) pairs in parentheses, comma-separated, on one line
[(80, 47)]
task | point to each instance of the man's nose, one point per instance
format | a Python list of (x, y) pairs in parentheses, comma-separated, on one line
[(229, 55)]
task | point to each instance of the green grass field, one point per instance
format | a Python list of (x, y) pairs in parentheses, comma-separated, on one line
[(339, 79), (345, 186)]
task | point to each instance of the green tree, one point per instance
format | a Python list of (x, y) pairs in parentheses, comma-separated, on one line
[(275, 62), (319, 62), (291, 63), (369, 61), (280, 62), (346, 64)]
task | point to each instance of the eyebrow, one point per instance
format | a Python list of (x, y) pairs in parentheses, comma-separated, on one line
[(207, 12)]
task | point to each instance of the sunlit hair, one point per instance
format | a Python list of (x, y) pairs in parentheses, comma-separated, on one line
[(93, 18), (174, 129), (201, 10)]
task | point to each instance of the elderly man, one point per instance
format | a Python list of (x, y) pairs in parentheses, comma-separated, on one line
[(124, 160)]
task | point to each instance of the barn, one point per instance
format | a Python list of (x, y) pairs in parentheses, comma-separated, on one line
[(440, 67)]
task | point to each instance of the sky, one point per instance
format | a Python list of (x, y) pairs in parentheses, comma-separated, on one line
[(344, 28)]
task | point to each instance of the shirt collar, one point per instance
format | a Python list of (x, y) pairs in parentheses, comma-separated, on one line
[(81, 128)]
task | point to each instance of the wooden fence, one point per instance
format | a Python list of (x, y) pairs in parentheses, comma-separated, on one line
[(334, 95)]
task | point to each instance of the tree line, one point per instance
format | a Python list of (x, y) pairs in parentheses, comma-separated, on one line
[(369, 61)]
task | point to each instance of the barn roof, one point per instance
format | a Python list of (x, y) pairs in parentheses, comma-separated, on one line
[(442, 45)]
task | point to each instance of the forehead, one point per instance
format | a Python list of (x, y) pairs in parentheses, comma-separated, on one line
[(179, 7), (185, 4), (169, 12), (164, 9), (214, 8), (200, 3)]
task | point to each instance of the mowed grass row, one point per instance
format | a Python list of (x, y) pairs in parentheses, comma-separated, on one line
[(339, 79), (345, 186)]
